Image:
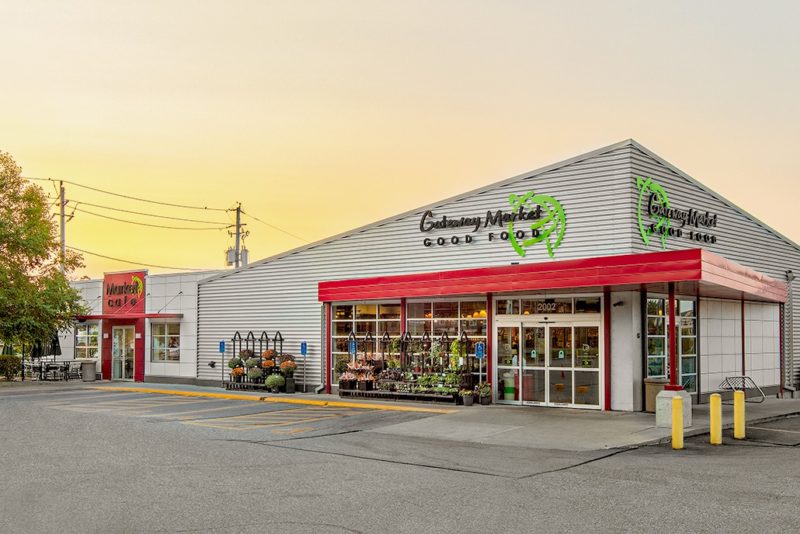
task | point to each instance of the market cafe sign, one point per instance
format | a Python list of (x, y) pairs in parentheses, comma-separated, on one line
[(123, 293), (657, 217), (532, 219)]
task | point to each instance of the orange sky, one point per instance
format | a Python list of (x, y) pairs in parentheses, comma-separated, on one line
[(323, 116)]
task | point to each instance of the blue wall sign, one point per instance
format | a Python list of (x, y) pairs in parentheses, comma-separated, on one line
[(480, 350), (222, 347), (303, 348), (352, 347)]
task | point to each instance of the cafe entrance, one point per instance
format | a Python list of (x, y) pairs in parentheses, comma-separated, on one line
[(548, 363), (123, 350)]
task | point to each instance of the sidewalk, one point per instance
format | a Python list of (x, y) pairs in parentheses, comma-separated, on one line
[(517, 426)]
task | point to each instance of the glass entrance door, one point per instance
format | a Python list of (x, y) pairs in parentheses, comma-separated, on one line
[(122, 353), (548, 364)]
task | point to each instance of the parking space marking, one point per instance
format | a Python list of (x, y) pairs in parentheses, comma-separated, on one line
[(272, 418)]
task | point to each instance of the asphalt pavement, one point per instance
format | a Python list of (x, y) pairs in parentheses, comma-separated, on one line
[(81, 460)]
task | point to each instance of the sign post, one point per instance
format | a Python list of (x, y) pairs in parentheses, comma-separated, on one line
[(480, 353), (304, 353), (222, 363)]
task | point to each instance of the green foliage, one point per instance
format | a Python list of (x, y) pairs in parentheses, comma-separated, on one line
[(234, 362), (484, 389), (428, 380), (452, 380), (255, 373), (436, 350), (275, 381), (10, 366), (253, 362), (466, 393), (340, 367), (36, 299), (455, 348), (394, 346)]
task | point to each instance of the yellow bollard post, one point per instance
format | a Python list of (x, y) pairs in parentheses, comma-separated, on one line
[(677, 423), (716, 419), (738, 414)]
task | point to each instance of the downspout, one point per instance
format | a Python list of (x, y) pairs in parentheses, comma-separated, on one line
[(787, 329), (324, 349)]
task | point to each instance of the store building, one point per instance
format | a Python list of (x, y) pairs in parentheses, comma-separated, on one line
[(582, 279), (139, 327)]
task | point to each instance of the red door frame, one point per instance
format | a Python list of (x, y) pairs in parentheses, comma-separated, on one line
[(138, 346), (607, 348)]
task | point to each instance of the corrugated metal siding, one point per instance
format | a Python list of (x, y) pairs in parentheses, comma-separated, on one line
[(282, 294), (739, 237)]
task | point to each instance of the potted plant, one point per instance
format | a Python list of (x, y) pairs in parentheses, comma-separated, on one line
[(274, 382), (237, 373), (255, 374), (347, 380), (365, 381), (468, 396), (246, 354), (485, 393), (252, 362), (267, 365), (235, 362), (288, 368)]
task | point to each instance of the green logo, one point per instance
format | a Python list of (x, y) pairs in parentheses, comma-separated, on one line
[(549, 227), (656, 204)]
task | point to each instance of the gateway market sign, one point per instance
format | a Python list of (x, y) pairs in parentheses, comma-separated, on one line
[(532, 219), (659, 219)]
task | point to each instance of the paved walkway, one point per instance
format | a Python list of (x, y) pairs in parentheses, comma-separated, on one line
[(528, 427)]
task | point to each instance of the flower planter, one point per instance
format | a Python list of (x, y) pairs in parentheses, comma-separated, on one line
[(347, 384), (365, 385), (290, 387), (486, 401), (468, 400)]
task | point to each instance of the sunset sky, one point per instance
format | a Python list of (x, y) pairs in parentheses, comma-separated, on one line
[(324, 116)]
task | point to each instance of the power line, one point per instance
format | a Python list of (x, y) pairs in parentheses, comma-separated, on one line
[(127, 196), (146, 214), (276, 228), (148, 224), (134, 262)]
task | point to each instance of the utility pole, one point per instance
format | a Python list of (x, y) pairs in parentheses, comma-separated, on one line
[(237, 254), (63, 226)]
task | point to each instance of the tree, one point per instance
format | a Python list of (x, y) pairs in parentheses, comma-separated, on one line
[(36, 299)]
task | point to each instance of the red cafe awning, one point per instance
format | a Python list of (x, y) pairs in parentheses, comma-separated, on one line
[(695, 272)]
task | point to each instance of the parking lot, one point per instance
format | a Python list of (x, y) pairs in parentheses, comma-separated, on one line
[(83, 460)]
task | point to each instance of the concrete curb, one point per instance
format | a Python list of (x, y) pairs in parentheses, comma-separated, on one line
[(280, 400)]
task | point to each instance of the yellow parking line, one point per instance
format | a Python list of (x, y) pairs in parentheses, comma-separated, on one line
[(284, 400)]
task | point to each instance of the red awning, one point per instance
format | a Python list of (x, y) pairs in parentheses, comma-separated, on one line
[(130, 316), (695, 272)]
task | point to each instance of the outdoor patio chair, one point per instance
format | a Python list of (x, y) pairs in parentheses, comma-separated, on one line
[(74, 371)]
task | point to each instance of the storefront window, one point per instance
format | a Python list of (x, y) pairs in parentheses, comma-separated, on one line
[(547, 306), (587, 305), (87, 341), (361, 319), (453, 317), (658, 339), (687, 343), (166, 339)]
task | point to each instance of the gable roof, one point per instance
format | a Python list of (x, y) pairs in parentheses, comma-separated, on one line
[(712, 193), (529, 174)]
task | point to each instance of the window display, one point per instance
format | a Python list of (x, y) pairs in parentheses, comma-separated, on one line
[(166, 339)]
